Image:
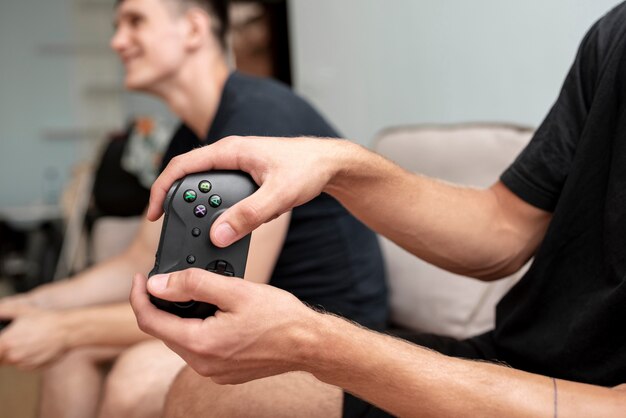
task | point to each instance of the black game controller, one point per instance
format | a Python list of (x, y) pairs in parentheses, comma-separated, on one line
[(4, 323), (191, 206)]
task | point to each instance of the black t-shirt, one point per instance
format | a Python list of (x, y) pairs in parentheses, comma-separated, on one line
[(329, 259), (567, 316)]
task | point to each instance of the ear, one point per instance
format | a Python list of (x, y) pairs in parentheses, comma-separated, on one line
[(199, 28)]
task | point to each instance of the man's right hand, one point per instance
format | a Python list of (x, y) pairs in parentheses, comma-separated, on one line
[(290, 172)]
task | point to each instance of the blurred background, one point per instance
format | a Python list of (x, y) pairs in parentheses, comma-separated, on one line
[(366, 64)]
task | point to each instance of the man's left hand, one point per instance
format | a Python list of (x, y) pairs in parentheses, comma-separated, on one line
[(259, 330), (33, 340)]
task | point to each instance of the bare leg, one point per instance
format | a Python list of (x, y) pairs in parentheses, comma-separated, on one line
[(139, 381), (71, 386), (288, 395)]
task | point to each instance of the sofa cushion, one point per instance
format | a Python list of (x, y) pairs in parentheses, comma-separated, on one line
[(424, 297)]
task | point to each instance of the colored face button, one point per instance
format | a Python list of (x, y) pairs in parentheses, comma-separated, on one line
[(190, 196), (205, 186), (215, 201), (200, 211)]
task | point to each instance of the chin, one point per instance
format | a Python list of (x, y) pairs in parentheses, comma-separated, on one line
[(132, 83), (135, 84)]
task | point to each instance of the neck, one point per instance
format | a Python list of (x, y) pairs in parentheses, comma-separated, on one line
[(196, 92)]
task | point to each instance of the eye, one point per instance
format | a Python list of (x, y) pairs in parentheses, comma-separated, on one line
[(135, 21)]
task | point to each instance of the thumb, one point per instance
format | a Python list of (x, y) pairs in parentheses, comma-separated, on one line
[(198, 285), (246, 216)]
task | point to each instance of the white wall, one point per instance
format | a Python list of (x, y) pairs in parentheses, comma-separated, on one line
[(368, 64), (60, 94)]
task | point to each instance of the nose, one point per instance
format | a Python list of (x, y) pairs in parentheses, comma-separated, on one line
[(119, 40)]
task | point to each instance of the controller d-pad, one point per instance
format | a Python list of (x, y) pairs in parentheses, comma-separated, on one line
[(221, 267)]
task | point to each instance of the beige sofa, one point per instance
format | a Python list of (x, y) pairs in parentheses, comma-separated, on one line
[(424, 297)]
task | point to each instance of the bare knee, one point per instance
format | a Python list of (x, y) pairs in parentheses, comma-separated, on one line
[(139, 380), (76, 362), (188, 395), (288, 395)]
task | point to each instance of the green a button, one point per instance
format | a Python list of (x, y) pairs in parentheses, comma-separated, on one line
[(215, 201), (190, 196), (205, 186)]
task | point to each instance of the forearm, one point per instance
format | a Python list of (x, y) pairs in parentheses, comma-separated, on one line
[(465, 230), (107, 282), (407, 380), (111, 325)]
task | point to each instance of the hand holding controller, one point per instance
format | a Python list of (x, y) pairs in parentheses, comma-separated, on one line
[(191, 206)]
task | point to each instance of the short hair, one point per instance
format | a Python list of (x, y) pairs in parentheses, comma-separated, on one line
[(218, 9)]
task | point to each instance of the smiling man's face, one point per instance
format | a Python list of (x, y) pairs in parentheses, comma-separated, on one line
[(150, 40)]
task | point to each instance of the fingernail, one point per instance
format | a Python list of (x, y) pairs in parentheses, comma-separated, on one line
[(158, 282), (224, 234)]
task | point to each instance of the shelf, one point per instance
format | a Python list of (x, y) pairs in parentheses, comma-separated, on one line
[(77, 133), (103, 90), (78, 49)]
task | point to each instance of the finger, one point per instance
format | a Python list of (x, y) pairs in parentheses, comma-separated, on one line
[(156, 322), (8, 311), (199, 285), (221, 155), (265, 204)]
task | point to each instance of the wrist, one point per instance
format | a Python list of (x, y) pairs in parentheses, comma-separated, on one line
[(323, 356), (349, 162), (38, 298), (67, 321)]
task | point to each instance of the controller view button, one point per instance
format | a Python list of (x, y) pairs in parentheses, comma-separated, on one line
[(191, 259), (200, 211), (196, 232), (215, 201), (190, 196), (205, 186)]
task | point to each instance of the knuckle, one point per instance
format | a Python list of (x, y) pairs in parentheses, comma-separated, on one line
[(142, 323), (251, 215), (191, 280), (203, 369), (176, 161), (231, 138)]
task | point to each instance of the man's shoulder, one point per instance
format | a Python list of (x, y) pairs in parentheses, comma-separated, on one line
[(265, 107), (251, 91), (611, 28)]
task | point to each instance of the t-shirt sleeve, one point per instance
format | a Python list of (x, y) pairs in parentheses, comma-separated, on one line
[(539, 172)]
